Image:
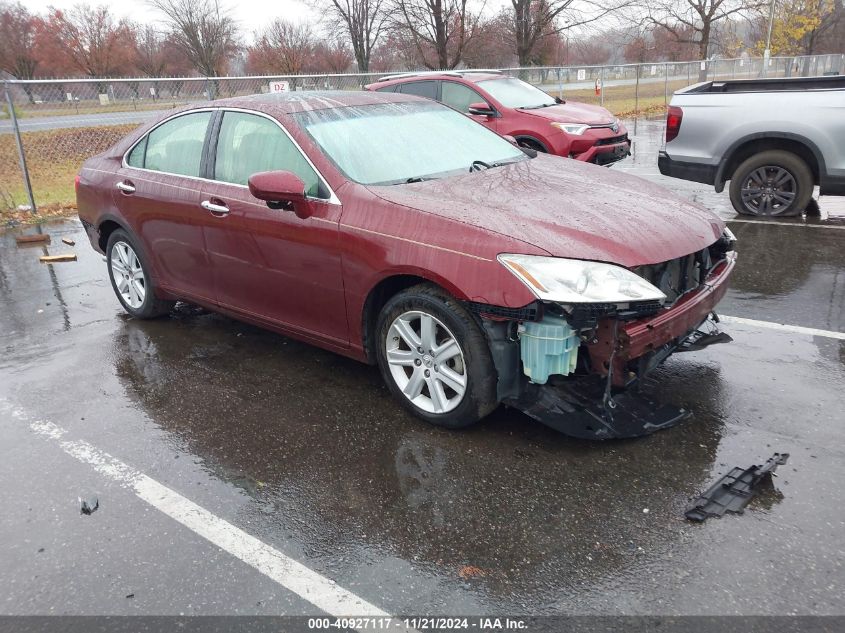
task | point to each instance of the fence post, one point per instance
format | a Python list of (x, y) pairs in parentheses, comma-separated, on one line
[(637, 100), (21, 154), (666, 84), (601, 92)]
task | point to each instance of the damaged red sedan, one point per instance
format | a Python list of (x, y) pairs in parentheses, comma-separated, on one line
[(399, 232)]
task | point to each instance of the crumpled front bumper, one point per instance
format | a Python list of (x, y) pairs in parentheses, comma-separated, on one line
[(636, 339), (599, 406)]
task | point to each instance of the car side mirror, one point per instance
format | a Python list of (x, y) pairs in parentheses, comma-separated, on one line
[(281, 190), (481, 109)]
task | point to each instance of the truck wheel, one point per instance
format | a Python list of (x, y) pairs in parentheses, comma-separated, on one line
[(771, 183), (434, 358)]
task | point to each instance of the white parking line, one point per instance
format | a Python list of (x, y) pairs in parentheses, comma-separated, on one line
[(320, 591), (771, 325), (815, 226)]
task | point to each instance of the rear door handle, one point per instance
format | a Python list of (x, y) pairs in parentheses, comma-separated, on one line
[(126, 186), (220, 209)]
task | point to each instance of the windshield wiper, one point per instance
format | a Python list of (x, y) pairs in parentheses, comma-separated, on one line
[(478, 164), (536, 107), (418, 179)]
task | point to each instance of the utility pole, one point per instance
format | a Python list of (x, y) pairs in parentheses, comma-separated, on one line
[(768, 52)]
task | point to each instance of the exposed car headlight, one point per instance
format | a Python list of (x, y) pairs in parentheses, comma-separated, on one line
[(572, 128), (577, 281)]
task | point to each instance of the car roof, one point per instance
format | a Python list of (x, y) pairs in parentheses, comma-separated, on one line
[(283, 103), (471, 76)]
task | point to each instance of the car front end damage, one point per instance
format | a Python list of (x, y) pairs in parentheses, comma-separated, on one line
[(580, 367)]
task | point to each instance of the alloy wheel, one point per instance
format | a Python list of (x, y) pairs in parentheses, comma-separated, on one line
[(426, 362), (128, 275), (768, 190)]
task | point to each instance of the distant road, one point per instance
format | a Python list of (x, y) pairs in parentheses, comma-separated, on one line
[(38, 124)]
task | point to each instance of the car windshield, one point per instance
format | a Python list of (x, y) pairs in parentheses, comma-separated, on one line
[(392, 143), (515, 93)]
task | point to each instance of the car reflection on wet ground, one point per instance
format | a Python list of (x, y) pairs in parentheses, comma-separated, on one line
[(306, 451)]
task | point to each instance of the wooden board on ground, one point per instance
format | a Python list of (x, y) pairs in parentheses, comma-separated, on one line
[(53, 259), (33, 239)]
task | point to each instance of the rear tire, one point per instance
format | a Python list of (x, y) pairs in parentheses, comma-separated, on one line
[(434, 358), (774, 183), (131, 280)]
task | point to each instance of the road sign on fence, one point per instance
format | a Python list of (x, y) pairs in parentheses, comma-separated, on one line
[(279, 86)]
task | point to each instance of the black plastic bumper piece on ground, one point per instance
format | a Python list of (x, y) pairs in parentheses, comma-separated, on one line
[(733, 491), (698, 340), (578, 410)]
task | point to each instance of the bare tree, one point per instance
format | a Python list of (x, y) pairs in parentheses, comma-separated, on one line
[(89, 38), (694, 21), (17, 40), (204, 31), (150, 54), (532, 21), (332, 57), (283, 48), (363, 21), (440, 30)]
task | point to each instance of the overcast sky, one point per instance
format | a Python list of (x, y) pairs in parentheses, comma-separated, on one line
[(251, 14)]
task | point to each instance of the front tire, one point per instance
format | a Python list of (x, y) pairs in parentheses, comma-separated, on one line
[(530, 143), (772, 183), (434, 358), (130, 278)]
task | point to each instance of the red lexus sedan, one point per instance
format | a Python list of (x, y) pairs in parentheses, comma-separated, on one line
[(512, 107), (399, 232)]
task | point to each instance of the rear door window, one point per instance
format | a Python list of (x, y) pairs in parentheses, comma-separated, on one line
[(136, 156), (427, 89), (175, 147), (249, 144), (459, 96)]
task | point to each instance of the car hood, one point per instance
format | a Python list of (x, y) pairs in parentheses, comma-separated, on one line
[(574, 112), (569, 209)]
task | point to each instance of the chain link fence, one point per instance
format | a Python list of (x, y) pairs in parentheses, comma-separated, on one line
[(61, 122)]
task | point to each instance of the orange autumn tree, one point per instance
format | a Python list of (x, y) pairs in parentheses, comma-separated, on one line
[(801, 25)]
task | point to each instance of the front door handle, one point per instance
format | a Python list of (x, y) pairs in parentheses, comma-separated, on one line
[(219, 209), (126, 186)]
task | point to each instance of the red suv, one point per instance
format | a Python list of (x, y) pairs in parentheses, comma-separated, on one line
[(514, 108), (399, 232)]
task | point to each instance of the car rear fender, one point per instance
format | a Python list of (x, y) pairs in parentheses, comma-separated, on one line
[(106, 224)]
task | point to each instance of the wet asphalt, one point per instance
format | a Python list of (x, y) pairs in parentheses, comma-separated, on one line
[(306, 451)]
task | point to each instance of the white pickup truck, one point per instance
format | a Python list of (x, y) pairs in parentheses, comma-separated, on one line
[(773, 139)]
